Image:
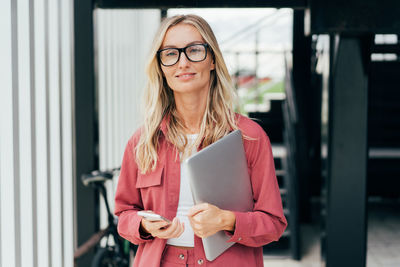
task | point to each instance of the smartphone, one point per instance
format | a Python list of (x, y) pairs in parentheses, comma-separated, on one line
[(152, 216)]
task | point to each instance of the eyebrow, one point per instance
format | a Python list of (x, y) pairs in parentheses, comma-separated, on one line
[(191, 43)]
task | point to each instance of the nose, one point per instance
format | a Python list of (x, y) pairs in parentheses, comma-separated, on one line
[(183, 60)]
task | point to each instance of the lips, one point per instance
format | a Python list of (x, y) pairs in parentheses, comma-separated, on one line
[(185, 75)]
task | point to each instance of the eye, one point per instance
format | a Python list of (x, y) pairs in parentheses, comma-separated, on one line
[(195, 49), (170, 53)]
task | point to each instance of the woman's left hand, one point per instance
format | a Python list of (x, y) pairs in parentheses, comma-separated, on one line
[(207, 219)]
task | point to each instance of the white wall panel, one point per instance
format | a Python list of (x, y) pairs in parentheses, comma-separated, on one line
[(41, 128), (36, 159), (7, 205), (68, 179), (123, 40), (27, 206), (54, 134)]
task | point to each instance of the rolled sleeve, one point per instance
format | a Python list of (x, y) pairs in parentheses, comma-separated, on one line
[(129, 228)]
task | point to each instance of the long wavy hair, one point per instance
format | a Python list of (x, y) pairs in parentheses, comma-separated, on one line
[(219, 117)]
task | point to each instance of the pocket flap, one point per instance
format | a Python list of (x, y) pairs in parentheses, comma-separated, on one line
[(150, 179)]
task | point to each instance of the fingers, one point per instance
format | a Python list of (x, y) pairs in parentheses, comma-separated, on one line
[(198, 228), (152, 226), (175, 229), (206, 219), (198, 208), (204, 213)]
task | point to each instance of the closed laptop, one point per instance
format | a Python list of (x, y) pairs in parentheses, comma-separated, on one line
[(218, 175)]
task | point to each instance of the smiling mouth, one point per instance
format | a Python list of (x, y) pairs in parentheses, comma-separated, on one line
[(185, 75)]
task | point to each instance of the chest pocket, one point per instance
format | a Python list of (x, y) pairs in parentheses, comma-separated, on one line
[(150, 179)]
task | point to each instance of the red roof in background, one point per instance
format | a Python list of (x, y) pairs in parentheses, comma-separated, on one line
[(249, 80)]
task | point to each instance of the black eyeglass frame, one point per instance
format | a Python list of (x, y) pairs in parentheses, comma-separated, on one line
[(180, 50)]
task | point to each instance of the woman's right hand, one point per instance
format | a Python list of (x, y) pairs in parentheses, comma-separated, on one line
[(162, 229)]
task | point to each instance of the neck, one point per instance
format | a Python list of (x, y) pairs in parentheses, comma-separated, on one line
[(191, 107)]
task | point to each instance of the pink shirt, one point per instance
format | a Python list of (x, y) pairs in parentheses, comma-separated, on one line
[(159, 191)]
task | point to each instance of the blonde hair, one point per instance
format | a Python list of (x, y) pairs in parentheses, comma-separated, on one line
[(219, 117)]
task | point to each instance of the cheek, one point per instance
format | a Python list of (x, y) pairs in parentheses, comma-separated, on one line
[(164, 71), (167, 75), (208, 66), (206, 71)]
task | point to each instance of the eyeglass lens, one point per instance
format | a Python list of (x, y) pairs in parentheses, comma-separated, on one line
[(195, 53)]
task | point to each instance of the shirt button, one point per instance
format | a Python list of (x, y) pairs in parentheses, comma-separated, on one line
[(239, 238), (200, 262), (181, 256)]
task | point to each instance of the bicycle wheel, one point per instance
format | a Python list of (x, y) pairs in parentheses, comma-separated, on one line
[(107, 257)]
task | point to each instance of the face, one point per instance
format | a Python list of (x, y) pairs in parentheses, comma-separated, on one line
[(186, 76)]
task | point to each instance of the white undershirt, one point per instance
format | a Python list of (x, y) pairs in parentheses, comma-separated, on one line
[(184, 204)]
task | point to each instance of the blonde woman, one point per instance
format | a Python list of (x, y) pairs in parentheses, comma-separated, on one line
[(189, 102)]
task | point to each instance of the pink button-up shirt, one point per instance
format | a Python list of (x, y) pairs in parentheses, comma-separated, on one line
[(159, 191)]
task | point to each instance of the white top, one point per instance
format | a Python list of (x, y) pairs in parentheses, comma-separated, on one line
[(184, 204)]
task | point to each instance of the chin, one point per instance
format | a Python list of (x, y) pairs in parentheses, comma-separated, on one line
[(187, 88)]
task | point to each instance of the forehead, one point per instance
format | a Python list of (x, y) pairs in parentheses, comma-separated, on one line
[(181, 35)]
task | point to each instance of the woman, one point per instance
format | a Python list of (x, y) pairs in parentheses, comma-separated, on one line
[(189, 105)]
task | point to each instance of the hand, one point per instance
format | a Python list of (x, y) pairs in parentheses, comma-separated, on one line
[(207, 219), (162, 229)]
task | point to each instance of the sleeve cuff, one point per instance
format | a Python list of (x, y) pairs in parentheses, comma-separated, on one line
[(141, 234), (129, 228), (241, 226)]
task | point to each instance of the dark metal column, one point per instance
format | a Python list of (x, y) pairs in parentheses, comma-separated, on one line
[(304, 99), (85, 121), (347, 154)]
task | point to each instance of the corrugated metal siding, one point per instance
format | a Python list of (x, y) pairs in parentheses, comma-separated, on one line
[(36, 158)]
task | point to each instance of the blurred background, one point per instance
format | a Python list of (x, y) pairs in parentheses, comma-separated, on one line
[(321, 78)]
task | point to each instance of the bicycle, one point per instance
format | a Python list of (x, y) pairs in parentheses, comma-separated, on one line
[(118, 253)]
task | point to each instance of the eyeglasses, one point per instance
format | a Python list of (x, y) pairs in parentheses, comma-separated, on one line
[(194, 52)]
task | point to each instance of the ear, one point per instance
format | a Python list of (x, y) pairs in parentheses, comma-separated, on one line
[(212, 67)]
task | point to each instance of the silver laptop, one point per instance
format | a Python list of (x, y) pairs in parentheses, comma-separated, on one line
[(218, 175)]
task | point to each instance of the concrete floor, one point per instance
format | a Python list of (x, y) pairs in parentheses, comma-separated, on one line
[(311, 250), (383, 248)]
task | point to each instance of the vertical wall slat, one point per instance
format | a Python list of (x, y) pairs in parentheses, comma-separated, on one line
[(25, 134), (101, 76), (60, 103), (7, 211), (48, 125), (41, 135), (16, 130), (101, 28), (68, 182), (109, 73), (120, 82), (33, 132), (112, 78), (54, 134)]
